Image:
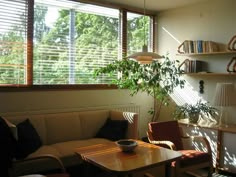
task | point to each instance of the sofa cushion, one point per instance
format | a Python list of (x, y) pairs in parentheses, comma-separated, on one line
[(92, 121), (67, 149), (113, 130), (28, 139), (44, 150), (62, 127)]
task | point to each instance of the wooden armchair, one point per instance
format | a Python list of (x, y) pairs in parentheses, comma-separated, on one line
[(169, 135), (54, 161)]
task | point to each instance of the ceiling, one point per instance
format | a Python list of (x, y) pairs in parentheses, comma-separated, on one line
[(154, 5)]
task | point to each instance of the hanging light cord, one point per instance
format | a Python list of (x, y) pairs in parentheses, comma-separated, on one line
[(144, 24)]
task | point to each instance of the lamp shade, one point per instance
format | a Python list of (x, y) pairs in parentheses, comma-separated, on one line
[(145, 56), (224, 94)]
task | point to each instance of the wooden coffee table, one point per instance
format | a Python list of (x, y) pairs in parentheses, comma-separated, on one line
[(110, 158)]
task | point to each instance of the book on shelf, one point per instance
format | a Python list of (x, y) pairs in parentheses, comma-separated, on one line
[(199, 46), (192, 66), (196, 66)]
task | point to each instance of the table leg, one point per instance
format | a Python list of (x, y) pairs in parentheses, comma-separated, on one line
[(87, 169), (124, 175), (168, 170)]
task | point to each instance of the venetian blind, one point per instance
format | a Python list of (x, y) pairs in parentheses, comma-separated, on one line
[(13, 46), (71, 39)]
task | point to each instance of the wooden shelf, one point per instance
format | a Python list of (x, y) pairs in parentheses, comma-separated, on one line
[(205, 54), (210, 74)]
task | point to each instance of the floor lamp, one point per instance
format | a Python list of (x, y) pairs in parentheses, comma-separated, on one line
[(224, 97)]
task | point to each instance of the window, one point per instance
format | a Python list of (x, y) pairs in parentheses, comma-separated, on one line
[(68, 41), (77, 39), (13, 23), (138, 32)]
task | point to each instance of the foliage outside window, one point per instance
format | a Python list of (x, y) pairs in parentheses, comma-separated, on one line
[(13, 22), (137, 37), (70, 40)]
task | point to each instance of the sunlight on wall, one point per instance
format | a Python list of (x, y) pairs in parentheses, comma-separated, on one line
[(185, 95), (229, 158), (171, 35)]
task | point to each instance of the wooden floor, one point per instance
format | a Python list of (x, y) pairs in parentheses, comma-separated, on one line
[(214, 175), (78, 172), (204, 174)]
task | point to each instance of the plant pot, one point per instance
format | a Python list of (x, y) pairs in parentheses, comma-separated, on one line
[(193, 118)]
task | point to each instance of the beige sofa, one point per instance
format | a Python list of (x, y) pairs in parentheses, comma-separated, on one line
[(61, 133)]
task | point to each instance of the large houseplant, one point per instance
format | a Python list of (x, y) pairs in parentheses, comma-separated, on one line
[(158, 79), (193, 111)]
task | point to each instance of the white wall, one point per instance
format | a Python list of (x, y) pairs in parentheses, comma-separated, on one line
[(212, 20)]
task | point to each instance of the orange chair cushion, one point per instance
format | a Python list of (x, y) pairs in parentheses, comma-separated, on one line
[(192, 157)]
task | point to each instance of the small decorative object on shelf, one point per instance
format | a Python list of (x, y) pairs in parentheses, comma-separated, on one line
[(232, 62), (191, 66), (198, 46), (232, 44), (201, 86)]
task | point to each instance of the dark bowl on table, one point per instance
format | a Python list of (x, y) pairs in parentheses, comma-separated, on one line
[(127, 145)]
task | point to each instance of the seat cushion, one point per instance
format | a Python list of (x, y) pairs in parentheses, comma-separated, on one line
[(67, 149), (192, 157), (62, 127)]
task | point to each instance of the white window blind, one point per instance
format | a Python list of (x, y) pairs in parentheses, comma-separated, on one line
[(13, 24), (71, 39)]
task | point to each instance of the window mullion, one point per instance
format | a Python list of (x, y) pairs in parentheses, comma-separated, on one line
[(123, 33), (30, 27)]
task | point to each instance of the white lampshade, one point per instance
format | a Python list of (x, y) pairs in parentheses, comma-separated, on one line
[(145, 56), (224, 95)]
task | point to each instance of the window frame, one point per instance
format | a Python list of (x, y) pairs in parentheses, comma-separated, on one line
[(30, 28)]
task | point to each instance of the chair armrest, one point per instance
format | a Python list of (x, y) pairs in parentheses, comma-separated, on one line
[(55, 159), (167, 144)]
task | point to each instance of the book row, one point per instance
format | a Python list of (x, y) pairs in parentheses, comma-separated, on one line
[(199, 46)]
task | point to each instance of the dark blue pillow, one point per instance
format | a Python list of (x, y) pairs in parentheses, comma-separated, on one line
[(28, 139), (113, 130)]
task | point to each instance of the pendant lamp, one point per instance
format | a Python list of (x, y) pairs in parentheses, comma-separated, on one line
[(145, 56)]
